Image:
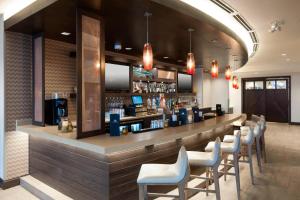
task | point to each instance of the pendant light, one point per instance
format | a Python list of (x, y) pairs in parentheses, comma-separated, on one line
[(228, 73), (147, 52), (214, 69), (235, 82), (190, 63)]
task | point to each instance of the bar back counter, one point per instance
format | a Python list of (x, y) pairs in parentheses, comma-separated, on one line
[(104, 167)]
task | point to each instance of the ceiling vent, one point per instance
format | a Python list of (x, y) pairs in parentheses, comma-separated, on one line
[(243, 22), (224, 6), (253, 37)]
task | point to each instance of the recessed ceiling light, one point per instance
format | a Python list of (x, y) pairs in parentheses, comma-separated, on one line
[(179, 61), (283, 54), (128, 48), (165, 57), (65, 33)]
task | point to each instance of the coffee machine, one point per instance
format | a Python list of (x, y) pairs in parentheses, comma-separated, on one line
[(55, 109)]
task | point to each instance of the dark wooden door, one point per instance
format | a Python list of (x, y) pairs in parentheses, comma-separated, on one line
[(254, 102), (267, 96)]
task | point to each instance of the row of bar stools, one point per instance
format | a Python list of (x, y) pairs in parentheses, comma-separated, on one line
[(230, 149), (247, 140), (211, 161), (164, 174), (178, 173)]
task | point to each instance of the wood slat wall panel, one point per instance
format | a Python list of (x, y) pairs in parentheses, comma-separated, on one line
[(69, 172), (85, 175)]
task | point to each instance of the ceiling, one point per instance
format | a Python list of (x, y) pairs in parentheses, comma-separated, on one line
[(125, 23), (268, 60)]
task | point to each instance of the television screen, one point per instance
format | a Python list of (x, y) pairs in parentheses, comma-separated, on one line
[(116, 77), (137, 100), (185, 83)]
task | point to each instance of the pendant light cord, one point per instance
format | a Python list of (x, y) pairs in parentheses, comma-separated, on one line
[(190, 41), (190, 30), (147, 28), (147, 15)]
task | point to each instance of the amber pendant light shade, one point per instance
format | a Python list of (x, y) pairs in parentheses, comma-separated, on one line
[(190, 64), (147, 52), (148, 57), (214, 69), (235, 82), (228, 73)]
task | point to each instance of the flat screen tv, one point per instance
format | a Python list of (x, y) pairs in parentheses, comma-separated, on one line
[(116, 77), (185, 83)]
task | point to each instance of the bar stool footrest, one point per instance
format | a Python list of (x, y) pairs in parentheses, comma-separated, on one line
[(201, 190), (201, 177), (162, 195)]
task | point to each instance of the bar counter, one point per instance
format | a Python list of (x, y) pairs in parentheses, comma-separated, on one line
[(106, 168), (106, 144)]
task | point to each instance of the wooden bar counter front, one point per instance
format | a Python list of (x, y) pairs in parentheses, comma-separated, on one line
[(103, 167)]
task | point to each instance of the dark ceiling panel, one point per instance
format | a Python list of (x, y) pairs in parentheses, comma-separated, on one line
[(125, 23)]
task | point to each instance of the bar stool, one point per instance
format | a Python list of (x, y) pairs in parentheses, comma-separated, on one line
[(247, 140), (230, 149), (164, 174), (263, 142), (210, 160)]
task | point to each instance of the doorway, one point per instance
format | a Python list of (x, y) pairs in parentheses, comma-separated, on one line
[(269, 96)]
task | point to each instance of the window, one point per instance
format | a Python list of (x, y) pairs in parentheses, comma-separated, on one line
[(281, 84), (249, 85), (259, 85), (271, 85)]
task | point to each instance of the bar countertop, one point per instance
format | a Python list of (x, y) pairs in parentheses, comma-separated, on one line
[(105, 144)]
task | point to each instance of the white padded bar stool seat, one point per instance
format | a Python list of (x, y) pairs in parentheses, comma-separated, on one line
[(158, 174), (164, 174), (225, 147), (246, 136), (201, 159)]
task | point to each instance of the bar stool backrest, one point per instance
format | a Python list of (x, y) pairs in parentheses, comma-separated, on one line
[(182, 164), (216, 153), (236, 141), (257, 129), (250, 136)]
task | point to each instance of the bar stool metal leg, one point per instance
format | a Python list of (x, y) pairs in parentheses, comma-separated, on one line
[(237, 173), (258, 153), (263, 142), (143, 192), (181, 190), (216, 182), (250, 162), (207, 180), (225, 166)]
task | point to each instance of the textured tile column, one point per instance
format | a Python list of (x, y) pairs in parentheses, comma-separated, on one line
[(2, 81)]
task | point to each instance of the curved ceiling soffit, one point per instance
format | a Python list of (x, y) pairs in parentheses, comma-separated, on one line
[(222, 15)]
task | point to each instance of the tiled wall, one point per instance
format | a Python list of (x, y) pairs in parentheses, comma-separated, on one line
[(18, 101), (18, 78), (60, 70)]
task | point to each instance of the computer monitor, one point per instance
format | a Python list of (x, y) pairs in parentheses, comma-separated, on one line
[(137, 100)]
